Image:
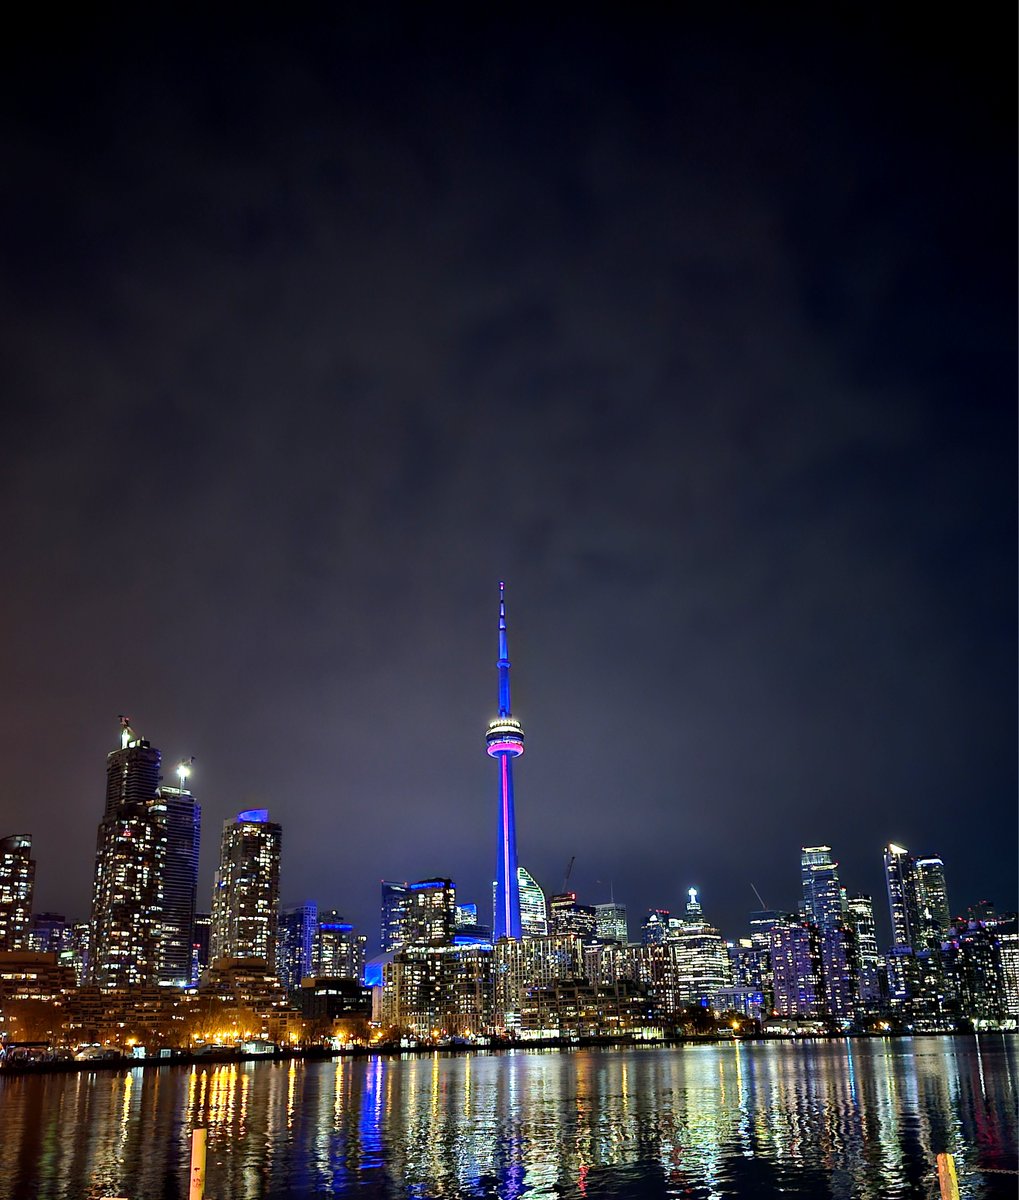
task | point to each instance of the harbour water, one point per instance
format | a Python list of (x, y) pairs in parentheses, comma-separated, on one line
[(833, 1119)]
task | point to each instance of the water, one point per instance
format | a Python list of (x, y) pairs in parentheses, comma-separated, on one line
[(822, 1119)]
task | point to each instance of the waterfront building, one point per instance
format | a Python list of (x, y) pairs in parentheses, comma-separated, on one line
[(533, 909), (394, 908), (339, 999), (17, 889), (439, 991), (245, 896), (576, 1008), (823, 900), (505, 741), (796, 970), (976, 972), (180, 880), (1008, 947), (127, 891), (533, 962), (295, 944), (610, 922), (609, 962), (339, 952)]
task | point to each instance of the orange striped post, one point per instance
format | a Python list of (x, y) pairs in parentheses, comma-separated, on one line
[(948, 1181)]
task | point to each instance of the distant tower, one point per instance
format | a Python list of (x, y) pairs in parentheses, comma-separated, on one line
[(245, 898), (395, 908), (17, 885), (127, 893), (505, 741), (824, 900), (183, 834), (900, 878)]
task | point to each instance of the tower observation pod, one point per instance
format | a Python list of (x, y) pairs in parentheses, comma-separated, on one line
[(505, 742)]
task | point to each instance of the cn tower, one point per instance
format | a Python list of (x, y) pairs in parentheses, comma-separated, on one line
[(505, 741)]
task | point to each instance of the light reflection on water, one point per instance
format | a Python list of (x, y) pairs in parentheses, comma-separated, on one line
[(827, 1119)]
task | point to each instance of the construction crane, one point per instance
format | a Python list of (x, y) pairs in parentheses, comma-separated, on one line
[(569, 872)]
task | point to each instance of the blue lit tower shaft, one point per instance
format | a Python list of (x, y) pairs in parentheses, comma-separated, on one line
[(505, 740)]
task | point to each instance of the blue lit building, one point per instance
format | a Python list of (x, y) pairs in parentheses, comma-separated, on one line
[(505, 742)]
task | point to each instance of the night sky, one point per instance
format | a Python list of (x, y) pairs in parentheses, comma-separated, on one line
[(699, 332)]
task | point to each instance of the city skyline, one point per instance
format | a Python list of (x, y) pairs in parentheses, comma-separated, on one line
[(699, 332), (911, 909)]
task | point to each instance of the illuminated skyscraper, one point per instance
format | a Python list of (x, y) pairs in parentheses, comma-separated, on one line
[(505, 740), (245, 898), (533, 909), (900, 879), (935, 915), (17, 886), (127, 893), (180, 880), (824, 899), (431, 913)]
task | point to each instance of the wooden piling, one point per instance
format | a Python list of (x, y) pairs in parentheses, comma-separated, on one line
[(197, 1177), (948, 1181)]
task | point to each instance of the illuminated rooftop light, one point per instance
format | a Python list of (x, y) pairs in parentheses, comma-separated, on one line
[(893, 849)]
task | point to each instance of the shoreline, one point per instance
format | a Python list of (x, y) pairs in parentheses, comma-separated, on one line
[(393, 1050)]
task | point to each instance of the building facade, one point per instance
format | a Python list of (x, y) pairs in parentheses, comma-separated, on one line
[(17, 890), (180, 880)]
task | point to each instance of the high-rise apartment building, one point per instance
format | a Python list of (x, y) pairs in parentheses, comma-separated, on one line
[(861, 920), (245, 897), (339, 952), (395, 907), (431, 913), (796, 970), (180, 880), (17, 888), (504, 740), (125, 941), (295, 945), (533, 909)]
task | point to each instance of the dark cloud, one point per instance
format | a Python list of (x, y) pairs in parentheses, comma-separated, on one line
[(702, 337)]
